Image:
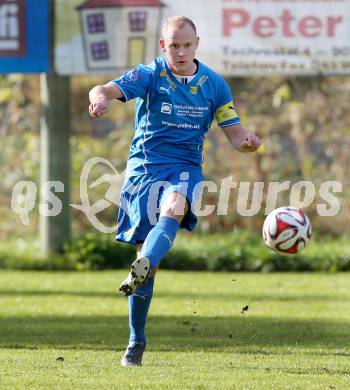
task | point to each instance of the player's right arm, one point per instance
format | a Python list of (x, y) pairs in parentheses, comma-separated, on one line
[(99, 97)]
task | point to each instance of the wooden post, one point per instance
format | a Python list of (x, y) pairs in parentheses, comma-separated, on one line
[(55, 161), (55, 155)]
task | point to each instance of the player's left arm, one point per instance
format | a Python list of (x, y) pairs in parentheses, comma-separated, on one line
[(228, 119), (241, 139)]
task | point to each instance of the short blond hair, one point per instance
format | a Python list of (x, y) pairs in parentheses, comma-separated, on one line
[(177, 21)]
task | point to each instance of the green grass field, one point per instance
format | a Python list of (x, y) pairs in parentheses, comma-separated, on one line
[(69, 331)]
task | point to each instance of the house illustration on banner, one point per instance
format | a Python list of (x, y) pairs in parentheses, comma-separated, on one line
[(120, 33)]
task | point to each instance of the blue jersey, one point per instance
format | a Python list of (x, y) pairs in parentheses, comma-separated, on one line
[(172, 118)]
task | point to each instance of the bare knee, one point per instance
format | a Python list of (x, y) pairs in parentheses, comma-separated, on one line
[(174, 206)]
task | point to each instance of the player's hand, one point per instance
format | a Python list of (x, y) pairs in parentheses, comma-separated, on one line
[(98, 109), (251, 143)]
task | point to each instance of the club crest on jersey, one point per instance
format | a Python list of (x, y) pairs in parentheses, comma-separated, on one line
[(194, 90)]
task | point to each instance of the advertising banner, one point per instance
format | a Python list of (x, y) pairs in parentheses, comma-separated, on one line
[(237, 37), (24, 27)]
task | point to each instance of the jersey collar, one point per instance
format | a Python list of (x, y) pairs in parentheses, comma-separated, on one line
[(171, 75)]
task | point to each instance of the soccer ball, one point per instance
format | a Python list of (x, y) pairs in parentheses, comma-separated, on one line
[(287, 230)]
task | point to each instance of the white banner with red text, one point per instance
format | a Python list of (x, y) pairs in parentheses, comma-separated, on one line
[(237, 37)]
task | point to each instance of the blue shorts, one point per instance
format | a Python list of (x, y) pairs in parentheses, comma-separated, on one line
[(142, 196)]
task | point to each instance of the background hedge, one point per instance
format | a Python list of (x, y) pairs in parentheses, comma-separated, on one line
[(239, 251)]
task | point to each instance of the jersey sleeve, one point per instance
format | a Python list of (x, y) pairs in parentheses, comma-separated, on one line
[(225, 113), (134, 83)]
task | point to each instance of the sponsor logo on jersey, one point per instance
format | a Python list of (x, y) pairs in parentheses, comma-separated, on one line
[(166, 108), (171, 85), (170, 81), (166, 90), (164, 74)]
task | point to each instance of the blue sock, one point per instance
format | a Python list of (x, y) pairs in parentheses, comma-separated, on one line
[(139, 304), (159, 240)]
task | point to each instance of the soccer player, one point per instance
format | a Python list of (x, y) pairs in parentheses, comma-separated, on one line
[(177, 99)]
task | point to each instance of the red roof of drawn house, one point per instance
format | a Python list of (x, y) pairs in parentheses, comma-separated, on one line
[(120, 3)]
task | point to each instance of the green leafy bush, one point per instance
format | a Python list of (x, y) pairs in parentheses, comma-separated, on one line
[(98, 251), (239, 251), (25, 255)]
